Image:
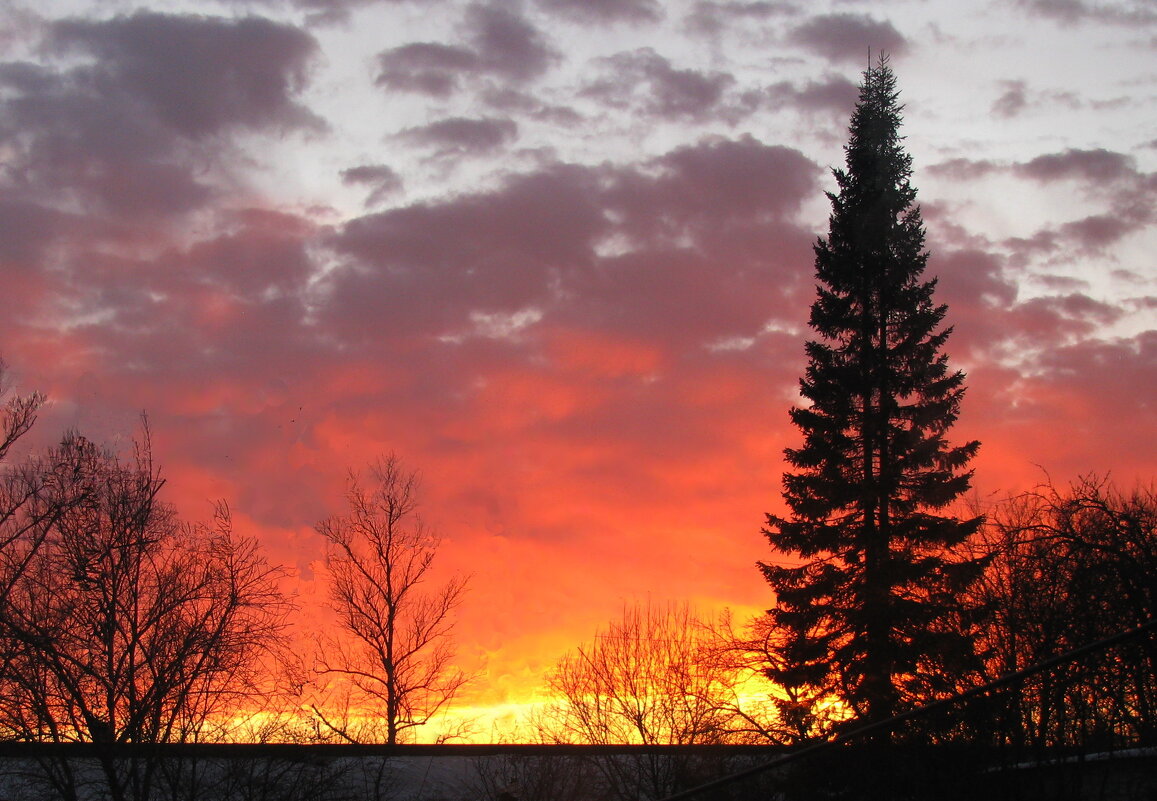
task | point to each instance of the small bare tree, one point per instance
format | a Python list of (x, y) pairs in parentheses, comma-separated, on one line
[(395, 658), (656, 676), (659, 675)]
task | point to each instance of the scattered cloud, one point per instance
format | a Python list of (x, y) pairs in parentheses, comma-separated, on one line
[(507, 44), (198, 75), (846, 38), (1012, 100), (425, 67), (574, 324), (833, 94), (1097, 166), (604, 11), (458, 136), (1071, 12), (502, 44), (646, 80), (709, 18), (381, 179)]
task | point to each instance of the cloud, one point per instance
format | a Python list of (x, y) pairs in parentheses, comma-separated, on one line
[(425, 67), (1130, 12), (135, 122), (562, 349), (713, 184), (833, 94), (334, 12), (1012, 100), (963, 169), (646, 80), (26, 232), (502, 44), (604, 11), (382, 180), (1096, 166), (70, 139), (199, 75), (628, 252), (513, 101), (847, 37), (459, 136), (1097, 232), (507, 44), (708, 18)]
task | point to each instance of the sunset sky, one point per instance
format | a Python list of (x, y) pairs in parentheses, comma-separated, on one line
[(556, 254)]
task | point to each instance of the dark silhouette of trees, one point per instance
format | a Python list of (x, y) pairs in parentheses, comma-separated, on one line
[(125, 625), (396, 653), (1067, 567), (864, 578), (659, 675), (18, 488)]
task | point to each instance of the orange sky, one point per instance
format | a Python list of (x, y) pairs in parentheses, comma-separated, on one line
[(557, 256)]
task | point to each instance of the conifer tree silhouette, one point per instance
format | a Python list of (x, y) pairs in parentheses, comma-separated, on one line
[(861, 576)]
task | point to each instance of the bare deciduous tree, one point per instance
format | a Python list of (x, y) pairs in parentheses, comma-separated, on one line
[(19, 486), (395, 658), (659, 675), (1066, 567), (126, 625), (656, 676)]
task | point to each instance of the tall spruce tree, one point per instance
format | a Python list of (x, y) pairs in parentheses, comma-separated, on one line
[(864, 575)]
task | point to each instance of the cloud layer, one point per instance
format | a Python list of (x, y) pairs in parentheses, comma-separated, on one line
[(558, 256)]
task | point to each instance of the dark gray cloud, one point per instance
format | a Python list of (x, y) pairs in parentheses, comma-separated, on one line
[(334, 12), (499, 44), (425, 67), (964, 169), (140, 105), (198, 75), (507, 44), (512, 101), (94, 144), (709, 18), (645, 80), (1128, 12), (1097, 232), (848, 37), (604, 11), (1097, 166), (458, 136), (670, 226), (1012, 100), (832, 94), (713, 185), (381, 179), (26, 232)]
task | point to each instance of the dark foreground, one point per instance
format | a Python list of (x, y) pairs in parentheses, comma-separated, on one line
[(85, 772)]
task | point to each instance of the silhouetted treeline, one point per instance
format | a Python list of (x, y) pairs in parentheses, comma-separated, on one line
[(1065, 567)]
